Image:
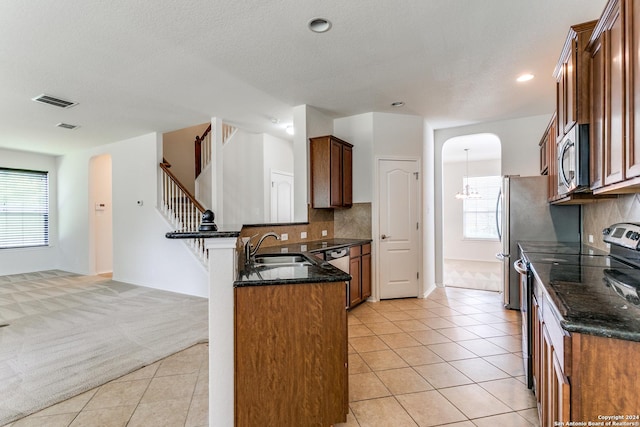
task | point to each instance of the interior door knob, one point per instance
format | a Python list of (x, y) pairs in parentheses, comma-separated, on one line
[(384, 236)]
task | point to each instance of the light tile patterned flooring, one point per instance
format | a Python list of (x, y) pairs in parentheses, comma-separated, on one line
[(171, 392), (452, 359)]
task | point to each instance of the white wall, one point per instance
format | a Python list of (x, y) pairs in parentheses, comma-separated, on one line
[(178, 148), (358, 130), (141, 253), (243, 178), (15, 261), (455, 246), (278, 156), (519, 143)]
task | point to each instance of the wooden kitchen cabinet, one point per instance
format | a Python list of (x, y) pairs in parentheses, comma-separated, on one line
[(615, 63), (548, 151), (291, 355), (360, 271), (578, 377), (331, 161), (551, 350), (572, 79)]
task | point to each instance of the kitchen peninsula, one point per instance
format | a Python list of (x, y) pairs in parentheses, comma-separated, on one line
[(278, 352)]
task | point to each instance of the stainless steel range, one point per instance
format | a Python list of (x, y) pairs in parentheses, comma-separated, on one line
[(616, 274)]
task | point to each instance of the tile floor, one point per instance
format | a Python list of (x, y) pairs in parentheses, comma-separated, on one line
[(451, 359), (171, 392)]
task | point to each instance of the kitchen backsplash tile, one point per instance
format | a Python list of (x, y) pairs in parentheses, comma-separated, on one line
[(601, 214), (353, 223)]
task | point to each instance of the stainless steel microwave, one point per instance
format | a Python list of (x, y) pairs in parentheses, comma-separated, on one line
[(573, 160)]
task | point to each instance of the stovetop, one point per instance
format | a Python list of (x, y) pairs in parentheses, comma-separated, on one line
[(594, 292)]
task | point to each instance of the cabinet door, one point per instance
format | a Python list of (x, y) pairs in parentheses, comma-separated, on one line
[(336, 173), (560, 394), (570, 88), (560, 104), (366, 276), (632, 154), (347, 176), (355, 292), (597, 134), (547, 379), (615, 99)]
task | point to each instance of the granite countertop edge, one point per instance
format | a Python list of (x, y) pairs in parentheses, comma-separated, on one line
[(201, 234), (582, 325)]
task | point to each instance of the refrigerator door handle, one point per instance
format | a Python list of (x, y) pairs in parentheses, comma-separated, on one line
[(498, 215)]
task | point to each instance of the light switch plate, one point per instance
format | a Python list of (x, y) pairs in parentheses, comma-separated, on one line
[(324, 233), (303, 234), (284, 236)]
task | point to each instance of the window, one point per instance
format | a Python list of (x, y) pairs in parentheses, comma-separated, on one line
[(479, 214), (24, 208)]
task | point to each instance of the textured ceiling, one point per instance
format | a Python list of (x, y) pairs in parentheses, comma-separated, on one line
[(137, 66)]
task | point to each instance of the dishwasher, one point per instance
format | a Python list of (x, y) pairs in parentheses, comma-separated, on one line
[(339, 258)]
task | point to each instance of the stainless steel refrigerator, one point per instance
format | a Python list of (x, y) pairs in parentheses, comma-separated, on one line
[(524, 214)]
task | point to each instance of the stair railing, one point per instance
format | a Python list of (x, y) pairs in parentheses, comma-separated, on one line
[(203, 147), (182, 209)]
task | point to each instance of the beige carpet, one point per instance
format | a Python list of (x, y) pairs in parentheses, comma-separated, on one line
[(68, 333)]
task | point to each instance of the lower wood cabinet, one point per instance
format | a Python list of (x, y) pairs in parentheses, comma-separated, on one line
[(360, 270), (291, 355), (579, 377)]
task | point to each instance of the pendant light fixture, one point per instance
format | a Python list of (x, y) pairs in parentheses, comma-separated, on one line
[(467, 192)]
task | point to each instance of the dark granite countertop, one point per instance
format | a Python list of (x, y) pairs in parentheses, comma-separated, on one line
[(318, 272), (265, 275), (222, 232), (586, 300)]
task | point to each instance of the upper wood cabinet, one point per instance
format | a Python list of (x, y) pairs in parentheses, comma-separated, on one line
[(572, 79), (615, 66), (548, 150), (331, 162)]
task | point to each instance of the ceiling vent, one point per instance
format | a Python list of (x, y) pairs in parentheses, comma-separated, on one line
[(66, 126), (56, 102)]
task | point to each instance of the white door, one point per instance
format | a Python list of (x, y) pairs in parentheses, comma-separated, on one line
[(281, 197), (399, 254)]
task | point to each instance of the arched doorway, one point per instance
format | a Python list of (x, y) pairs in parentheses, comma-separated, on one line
[(471, 179)]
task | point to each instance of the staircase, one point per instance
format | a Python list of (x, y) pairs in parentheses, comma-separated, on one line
[(178, 205)]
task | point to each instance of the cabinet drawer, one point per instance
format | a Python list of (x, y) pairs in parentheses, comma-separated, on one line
[(366, 249), (355, 251), (558, 335)]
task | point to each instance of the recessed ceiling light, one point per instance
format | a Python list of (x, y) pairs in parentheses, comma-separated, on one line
[(319, 25), (397, 104), (524, 78)]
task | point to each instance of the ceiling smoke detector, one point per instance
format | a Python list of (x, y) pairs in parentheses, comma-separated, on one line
[(52, 100), (67, 126)]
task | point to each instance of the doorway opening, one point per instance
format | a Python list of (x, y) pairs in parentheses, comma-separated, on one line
[(100, 214), (471, 177)]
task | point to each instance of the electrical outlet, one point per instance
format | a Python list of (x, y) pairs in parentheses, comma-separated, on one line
[(284, 236), (590, 238), (324, 233), (303, 234)]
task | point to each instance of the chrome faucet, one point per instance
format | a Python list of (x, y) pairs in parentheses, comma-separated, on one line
[(249, 252)]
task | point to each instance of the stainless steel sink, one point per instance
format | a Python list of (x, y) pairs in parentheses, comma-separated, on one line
[(281, 260)]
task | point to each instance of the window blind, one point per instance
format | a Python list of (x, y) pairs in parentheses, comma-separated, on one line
[(24, 208)]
